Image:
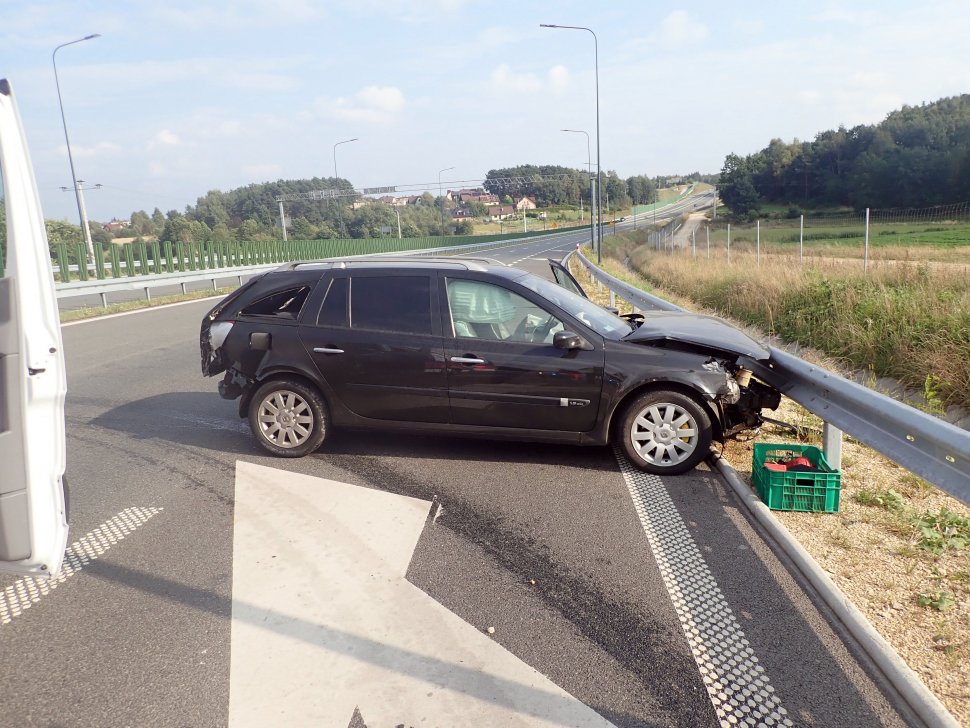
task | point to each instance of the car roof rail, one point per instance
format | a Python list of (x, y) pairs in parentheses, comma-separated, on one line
[(453, 262)]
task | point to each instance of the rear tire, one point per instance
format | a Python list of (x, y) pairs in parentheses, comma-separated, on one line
[(665, 432), (288, 418)]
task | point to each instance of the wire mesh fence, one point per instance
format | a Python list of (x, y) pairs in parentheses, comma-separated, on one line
[(939, 233)]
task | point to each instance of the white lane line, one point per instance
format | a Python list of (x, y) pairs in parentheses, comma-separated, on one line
[(20, 595), (539, 252), (736, 683)]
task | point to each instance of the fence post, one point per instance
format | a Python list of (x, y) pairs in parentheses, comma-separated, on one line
[(865, 254), (99, 262), (758, 244), (707, 228), (62, 262), (129, 260), (115, 261), (729, 243), (801, 240), (143, 259), (82, 262)]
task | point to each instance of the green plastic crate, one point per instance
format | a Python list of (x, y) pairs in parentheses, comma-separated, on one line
[(814, 492)]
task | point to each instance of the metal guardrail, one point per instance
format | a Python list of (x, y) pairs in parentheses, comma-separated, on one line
[(146, 283), (923, 444)]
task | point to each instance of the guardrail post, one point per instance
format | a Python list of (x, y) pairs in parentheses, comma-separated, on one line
[(104, 300), (832, 445)]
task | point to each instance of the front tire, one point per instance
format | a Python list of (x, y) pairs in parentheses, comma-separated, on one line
[(665, 432), (288, 418)]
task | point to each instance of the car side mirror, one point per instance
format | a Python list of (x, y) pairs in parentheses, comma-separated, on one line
[(570, 340)]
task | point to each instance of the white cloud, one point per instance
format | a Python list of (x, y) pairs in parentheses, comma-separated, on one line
[(504, 79), (381, 98), (679, 27), (372, 104), (164, 138), (559, 78)]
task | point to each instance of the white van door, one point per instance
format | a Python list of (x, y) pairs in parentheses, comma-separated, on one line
[(33, 514)]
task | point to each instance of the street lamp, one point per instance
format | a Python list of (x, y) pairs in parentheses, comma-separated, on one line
[(441, 197), (345, 141), (592, 200), (340, 214), (70, 158), (599, 170)]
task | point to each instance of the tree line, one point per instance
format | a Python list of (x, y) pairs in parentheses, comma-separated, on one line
[(917, 157), (252, 213)]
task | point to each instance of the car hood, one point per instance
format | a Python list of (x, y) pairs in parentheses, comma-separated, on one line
[(706, 332)]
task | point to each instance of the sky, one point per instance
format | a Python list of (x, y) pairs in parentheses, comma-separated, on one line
[(177, 98)]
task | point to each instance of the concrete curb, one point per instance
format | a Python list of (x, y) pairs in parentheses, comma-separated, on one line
[(923, 702)]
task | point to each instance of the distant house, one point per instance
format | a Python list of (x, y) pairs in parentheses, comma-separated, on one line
[(461, 213), (526, 203), (116, 225), (500, 212), (393, 201)]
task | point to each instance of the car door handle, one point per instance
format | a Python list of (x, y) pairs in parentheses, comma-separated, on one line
[(327, 350), (467, 360)]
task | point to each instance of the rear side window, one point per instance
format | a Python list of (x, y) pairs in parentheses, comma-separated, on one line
[(391, 303), (282, 304), (333, 312)]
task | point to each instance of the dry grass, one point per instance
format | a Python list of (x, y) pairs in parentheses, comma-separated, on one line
[(908, 321)]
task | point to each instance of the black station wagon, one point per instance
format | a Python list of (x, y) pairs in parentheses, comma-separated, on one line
[(473, 347)]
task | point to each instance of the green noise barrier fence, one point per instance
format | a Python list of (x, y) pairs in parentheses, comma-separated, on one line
[(134, 259)]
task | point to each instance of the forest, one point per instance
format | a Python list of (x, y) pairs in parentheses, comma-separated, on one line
[(917, 157)]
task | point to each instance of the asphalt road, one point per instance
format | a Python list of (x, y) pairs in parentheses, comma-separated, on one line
[(625, 594)]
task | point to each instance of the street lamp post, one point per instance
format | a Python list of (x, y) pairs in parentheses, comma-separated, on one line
[(592, 200), (340, 213), (599, 169), (85, 232), (441, 197)]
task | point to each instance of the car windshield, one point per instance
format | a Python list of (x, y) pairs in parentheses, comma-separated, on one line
[(599, 319)]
